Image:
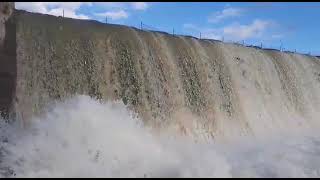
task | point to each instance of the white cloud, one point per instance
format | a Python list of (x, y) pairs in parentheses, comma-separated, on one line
[(67, 13), (207, 33), (114, 15), (112, 5), (54, 8), (235, 31), (139, 5), (212, 34), (32, 7), (225, 13), (113, 10), (123, 5)]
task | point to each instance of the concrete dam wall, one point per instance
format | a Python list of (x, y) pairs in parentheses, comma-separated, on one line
[(7, 57), (196, 87)]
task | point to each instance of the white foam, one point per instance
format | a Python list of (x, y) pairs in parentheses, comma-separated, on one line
[(82, 137)]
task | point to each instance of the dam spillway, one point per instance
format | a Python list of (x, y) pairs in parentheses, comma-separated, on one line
[(198, 87)]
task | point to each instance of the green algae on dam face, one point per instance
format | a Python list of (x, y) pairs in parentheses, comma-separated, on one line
[(155, 73), (127, 73), (191, 82), (58, 61), (220, 76), (189, 73), (288, 81)]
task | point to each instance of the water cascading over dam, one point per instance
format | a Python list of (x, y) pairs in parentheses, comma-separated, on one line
[(201, 88)]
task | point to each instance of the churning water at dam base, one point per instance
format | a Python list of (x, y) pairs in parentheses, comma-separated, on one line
[(82, 137)]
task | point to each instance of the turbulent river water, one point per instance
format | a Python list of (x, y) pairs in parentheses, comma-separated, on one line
[(82, 137)]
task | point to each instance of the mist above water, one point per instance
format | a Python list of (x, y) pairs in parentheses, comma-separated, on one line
[(82, 137)]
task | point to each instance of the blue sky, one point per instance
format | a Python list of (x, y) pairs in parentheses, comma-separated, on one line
[(295, 25)]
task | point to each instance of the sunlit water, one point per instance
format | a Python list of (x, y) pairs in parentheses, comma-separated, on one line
[(82, 137)]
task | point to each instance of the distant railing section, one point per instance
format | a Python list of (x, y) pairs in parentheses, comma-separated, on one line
[(279, 47)]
